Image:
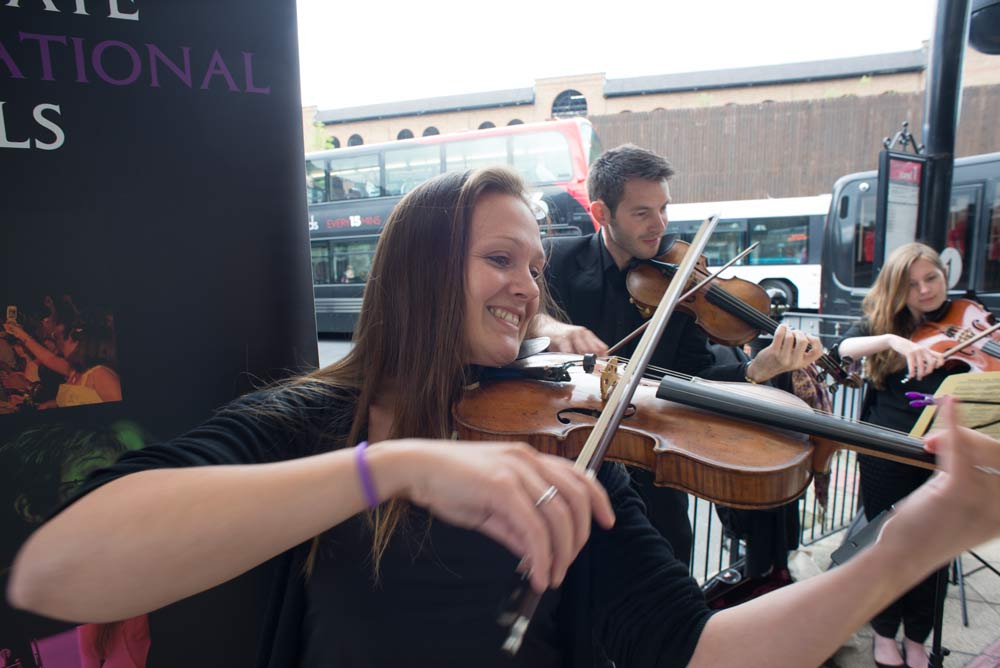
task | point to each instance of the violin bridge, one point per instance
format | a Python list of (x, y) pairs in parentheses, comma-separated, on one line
[(609, 378)]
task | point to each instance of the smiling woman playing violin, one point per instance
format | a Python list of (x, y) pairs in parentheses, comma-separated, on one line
[(453, 282), (910, 290)]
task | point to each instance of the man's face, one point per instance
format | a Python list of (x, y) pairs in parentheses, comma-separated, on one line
[(634, 229)]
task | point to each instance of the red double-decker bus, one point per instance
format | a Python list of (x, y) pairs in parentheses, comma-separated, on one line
[(352, 190)]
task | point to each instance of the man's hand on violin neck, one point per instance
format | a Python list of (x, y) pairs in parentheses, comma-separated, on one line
[(789, 350)]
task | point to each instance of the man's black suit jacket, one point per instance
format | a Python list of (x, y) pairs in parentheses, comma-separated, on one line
[(574, 273)]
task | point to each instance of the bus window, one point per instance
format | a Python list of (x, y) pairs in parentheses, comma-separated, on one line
[(991, 273), (316, 181), (344, 261), (724, 244), (864, 242), (354, 177), (475, 153), (963, 209), (782, 240), (542, 158), (407, 167), (321, 262)]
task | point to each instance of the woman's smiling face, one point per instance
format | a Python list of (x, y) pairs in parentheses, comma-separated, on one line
[(504, 261)]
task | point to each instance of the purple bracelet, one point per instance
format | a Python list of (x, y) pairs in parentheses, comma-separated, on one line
[(365, 475)]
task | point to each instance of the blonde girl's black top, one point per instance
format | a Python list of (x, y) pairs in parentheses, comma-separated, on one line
[(891, 407)]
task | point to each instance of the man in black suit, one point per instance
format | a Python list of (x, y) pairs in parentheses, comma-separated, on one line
[(629, 192)]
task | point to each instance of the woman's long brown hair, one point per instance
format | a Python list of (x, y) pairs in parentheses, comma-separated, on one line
[(885, 306), (412, 314)]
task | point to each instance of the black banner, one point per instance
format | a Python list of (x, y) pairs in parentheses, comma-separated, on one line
[(154, 264)]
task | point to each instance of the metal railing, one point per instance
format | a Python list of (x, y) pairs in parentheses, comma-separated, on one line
[(715, 550)]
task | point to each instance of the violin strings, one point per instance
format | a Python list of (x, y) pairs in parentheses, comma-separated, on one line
[(739, 308), (755, 318)]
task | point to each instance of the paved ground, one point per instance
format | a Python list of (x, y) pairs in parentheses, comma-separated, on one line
[(974, 646)]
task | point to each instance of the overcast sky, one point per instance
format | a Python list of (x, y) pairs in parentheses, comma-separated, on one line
[(365, 53)]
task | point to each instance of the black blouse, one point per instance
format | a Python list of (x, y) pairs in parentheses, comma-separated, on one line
[(890, 407), (626, 598)]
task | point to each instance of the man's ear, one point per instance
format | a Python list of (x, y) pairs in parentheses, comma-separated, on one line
[(601, 213)]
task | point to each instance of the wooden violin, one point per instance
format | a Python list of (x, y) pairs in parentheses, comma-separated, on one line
[(762, 462), (731, 311), (967, 334)]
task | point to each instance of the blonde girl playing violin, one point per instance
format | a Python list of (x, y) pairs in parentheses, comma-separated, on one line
[(401, 552), (911, 289)]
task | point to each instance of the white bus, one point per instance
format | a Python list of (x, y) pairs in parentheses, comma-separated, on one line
[(790, 232)]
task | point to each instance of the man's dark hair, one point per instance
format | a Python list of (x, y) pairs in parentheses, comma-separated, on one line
[(615, 166)]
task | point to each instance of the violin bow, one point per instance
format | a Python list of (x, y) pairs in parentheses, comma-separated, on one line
[(968, 342), (525, 600), (711, 277)]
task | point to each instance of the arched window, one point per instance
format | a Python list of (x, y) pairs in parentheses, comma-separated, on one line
[(431, 130), (332, 142), (485, 125), (569, 103), (355, 140), (516, 121), (404, 134)]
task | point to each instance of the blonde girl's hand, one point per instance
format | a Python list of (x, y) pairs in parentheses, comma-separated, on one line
[(504, 490), (920, 360)]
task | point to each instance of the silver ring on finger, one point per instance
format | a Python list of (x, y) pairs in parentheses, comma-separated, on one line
[(549, 494)]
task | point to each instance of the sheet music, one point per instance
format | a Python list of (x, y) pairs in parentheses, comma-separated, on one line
[(979, 394)]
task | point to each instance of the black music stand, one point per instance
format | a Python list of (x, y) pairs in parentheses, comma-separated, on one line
[(959, 580)]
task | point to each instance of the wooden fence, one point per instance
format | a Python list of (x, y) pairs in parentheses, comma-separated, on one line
[(787, 149)]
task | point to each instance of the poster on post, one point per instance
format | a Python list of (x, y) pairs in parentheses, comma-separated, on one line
[(901, 178), (154, 265)]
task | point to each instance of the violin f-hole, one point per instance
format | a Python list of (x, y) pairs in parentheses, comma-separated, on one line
[(589, 412)]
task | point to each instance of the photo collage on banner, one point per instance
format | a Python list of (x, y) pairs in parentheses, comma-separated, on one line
[(154, 264)]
